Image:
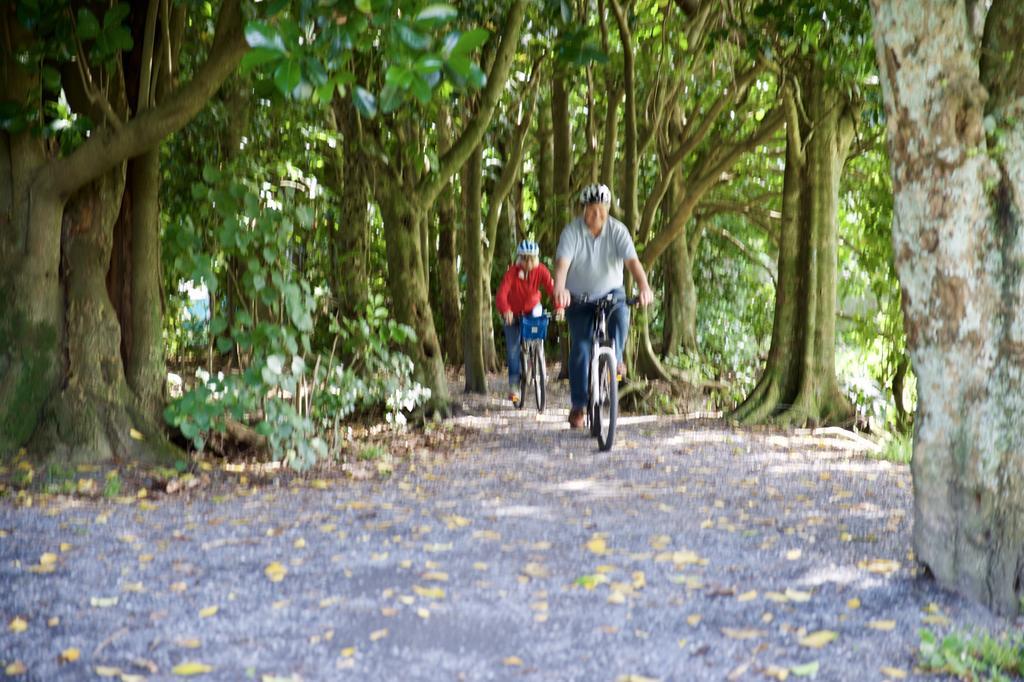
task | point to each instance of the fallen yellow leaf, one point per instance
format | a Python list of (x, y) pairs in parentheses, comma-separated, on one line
[(793, 554), (438, 576), (136, 434), (190, 668), (797, 595), (818, 639), (742, 633), (660, 542), (47, 559), (318, 484), (776, 597), (70, 655), (429, 592), (616, 597), (299, 543), (853, 603), (423, 613), (935, 619), (883, 625), (880, 565), (639, 580), (275, 571), (65, 547), (512, 660), (597, 545), (747, 596), (348, 652), (208, 611), (16, 668), (107, 671), (893, 673), (776, 672), (693, 619), (19, 624), (378, 634), (189, 643), (53, 622)]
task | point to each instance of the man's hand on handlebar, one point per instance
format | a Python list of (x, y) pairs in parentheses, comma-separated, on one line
[(508, 317), (562, 298), (646, 297)]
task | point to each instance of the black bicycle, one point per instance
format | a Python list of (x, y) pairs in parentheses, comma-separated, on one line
[(602, 378), (534, 369)]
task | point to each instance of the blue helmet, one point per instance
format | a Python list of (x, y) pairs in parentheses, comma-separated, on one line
[(528, 248)]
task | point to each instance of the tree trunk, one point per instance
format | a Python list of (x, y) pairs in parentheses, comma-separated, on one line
[(561, 205), (145, 366), (34, 359), (410, 297), (472, 311), (544, 228), (959, 202), (93, 413), (799, 385), (446, 272), (350, 239), (680, 302)]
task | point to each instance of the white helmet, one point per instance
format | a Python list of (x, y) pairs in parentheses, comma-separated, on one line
[(593, 194)]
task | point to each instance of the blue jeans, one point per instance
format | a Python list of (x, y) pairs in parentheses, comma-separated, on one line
[(514, 352), (580, 317)]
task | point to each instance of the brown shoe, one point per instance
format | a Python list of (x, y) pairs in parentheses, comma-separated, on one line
[(576, 419)]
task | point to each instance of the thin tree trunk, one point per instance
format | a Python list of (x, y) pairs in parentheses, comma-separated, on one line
[(472, 317), (959, 202)]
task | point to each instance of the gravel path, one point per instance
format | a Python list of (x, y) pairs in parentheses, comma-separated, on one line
[(693, 551)]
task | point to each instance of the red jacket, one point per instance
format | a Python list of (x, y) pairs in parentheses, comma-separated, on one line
[(519, 291)]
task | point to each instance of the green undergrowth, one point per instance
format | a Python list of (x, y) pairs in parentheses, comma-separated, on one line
[(898, 449), (973, 656)]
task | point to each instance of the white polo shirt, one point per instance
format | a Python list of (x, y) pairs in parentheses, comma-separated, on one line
[(595, 264)]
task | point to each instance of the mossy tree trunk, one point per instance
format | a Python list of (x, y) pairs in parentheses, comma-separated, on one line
[(799, 384), (953, 87), (61, 372), (473, 252), (410, 296)]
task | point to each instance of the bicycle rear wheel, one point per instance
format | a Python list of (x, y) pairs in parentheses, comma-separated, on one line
[(607, 404), (539, 390)]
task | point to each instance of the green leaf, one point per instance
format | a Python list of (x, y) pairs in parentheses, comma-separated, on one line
[(471, 40), (390, 98), (211, 175), (51, 78), (436, 14), (365, 102), (414, 39), (88, 25), (398, 76), (477, 78), (421, 89), (259, 35), (259, 55), (115, 15), (287, 76), (428, 63), (364, 6)]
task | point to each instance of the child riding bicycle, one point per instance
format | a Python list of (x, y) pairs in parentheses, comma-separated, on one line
[(519, 295)]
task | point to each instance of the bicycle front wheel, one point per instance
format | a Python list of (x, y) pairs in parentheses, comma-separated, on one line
[(539, 390), (524, 376), (607, 407)]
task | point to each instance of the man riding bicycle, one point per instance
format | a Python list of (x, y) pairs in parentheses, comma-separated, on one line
[(588, 265)]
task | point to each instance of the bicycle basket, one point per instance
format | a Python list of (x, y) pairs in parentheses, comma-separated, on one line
[(534, 328)]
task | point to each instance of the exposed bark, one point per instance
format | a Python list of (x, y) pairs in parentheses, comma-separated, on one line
[(473, 251), (449, 301), (958, 216), (31, 366), (799, 384), (679, 307), (409, 294)]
